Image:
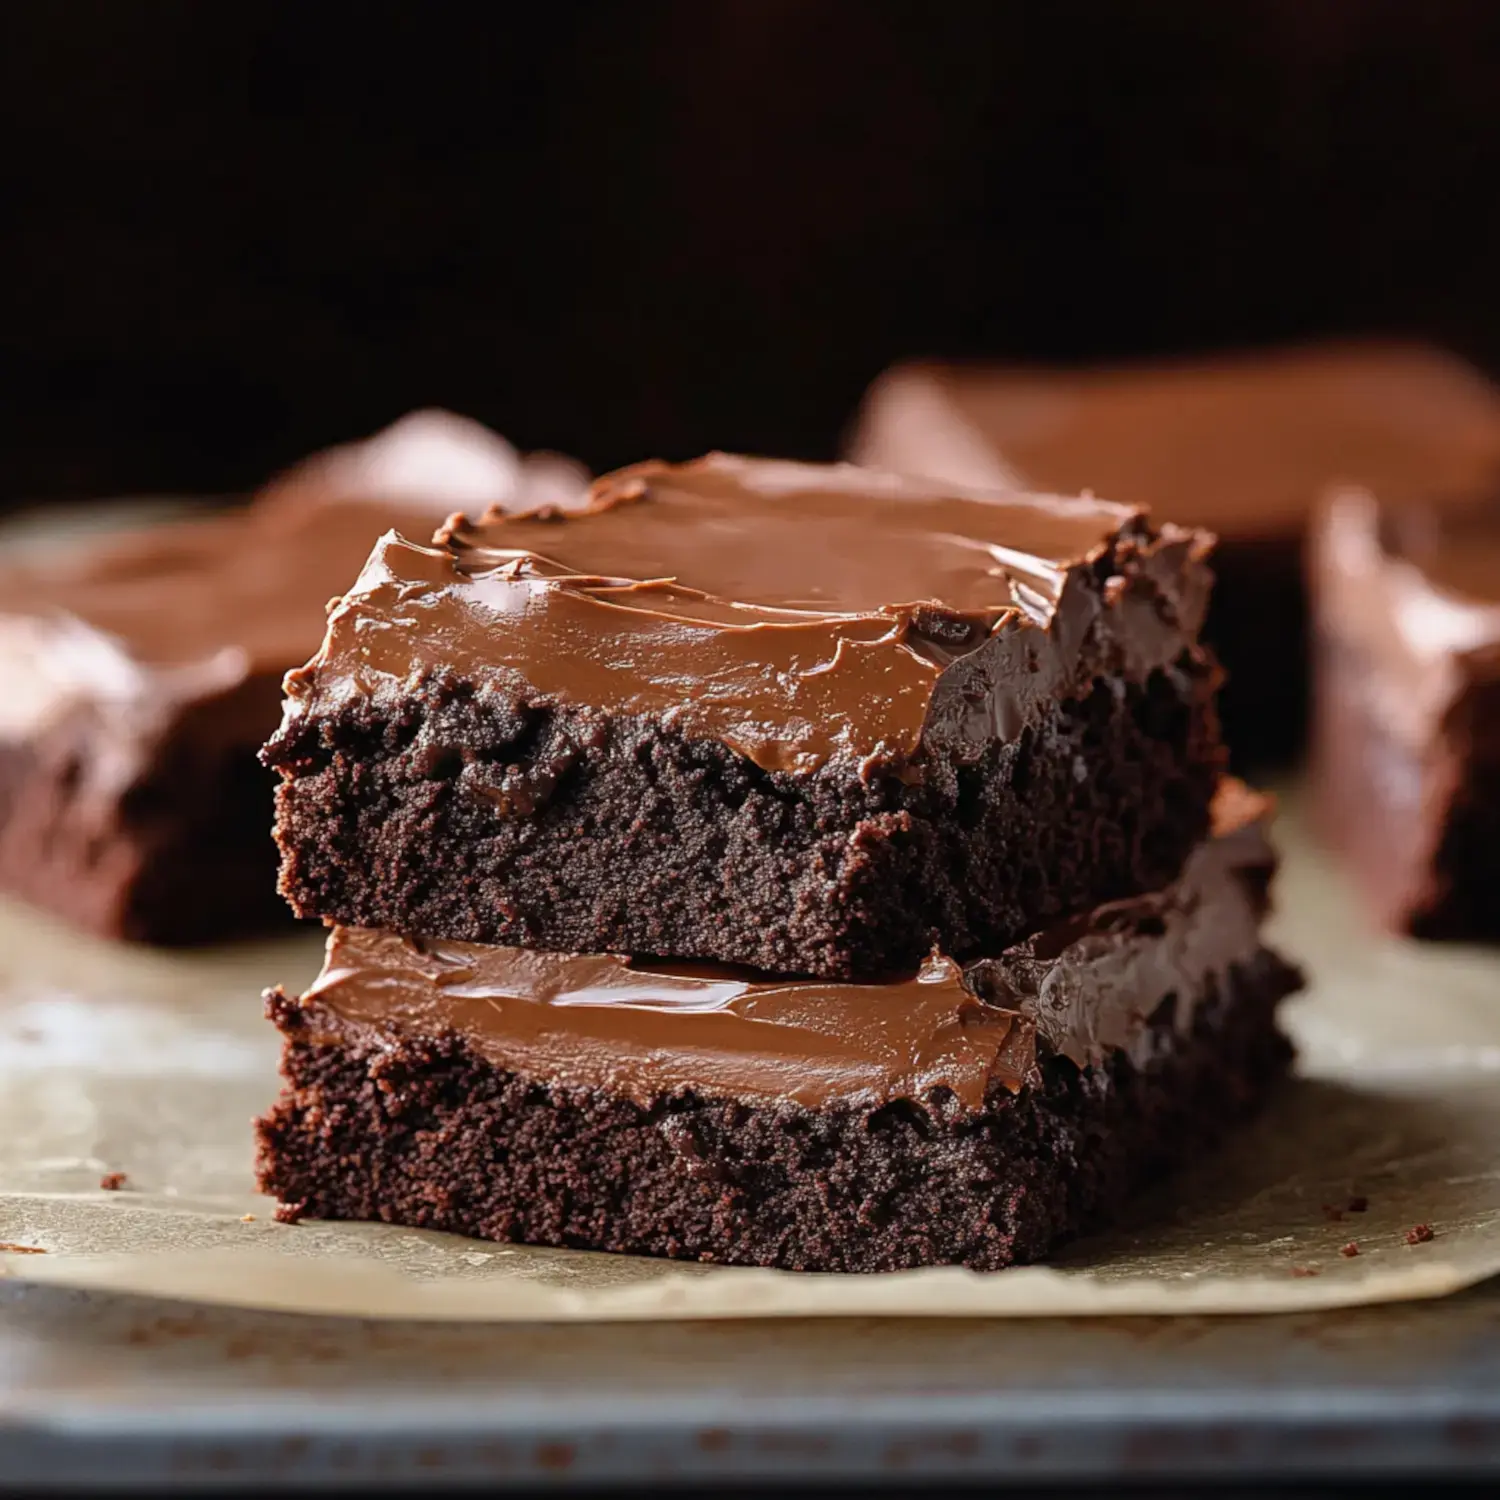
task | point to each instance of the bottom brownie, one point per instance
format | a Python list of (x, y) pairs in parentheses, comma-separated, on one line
[(961, 1116), (425, 1133)]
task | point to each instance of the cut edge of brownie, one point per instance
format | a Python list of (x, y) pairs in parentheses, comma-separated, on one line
[(378, 1125)]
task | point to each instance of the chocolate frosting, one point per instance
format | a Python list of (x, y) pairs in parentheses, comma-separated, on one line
[(796, 612), (643, 1030), (1416, 592), (1244, 444)]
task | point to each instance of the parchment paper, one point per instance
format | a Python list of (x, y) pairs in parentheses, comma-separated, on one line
[(122, 1060)]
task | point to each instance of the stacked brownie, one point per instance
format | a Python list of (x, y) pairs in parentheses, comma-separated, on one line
[(139, 678), (768, 864)]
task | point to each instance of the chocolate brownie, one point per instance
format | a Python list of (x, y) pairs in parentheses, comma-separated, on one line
[(1407, 712), (139, 678), (1241, 444), (972, 1116), (807, 719)]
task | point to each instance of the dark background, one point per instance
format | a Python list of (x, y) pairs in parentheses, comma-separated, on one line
[(234, 232)]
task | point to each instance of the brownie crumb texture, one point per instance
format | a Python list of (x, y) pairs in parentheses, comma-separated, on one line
[(1419, 1234), (1350, 1250), (633, 833), (112, 1182)]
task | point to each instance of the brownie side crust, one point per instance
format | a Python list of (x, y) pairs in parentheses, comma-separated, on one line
[(487, 819), (377, 1126)]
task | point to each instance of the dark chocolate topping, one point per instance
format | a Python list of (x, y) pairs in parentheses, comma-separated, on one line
[(644, 1029), (795, 612), (1243, 444)]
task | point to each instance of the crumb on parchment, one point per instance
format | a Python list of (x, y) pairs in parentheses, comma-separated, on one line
[(1350, 1250), (7, 1247), (1419, 1234), (112, 1182)]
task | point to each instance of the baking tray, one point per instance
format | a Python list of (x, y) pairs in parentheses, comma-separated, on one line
[(100, 1389)]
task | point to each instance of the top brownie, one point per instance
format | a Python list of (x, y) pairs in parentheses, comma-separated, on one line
[(814, 719)]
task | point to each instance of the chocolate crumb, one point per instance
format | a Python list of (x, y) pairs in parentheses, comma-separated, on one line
[(1350, 1250), (1334, 1215), (1304, 1270), (8, 1247), (112, 1182), (1358, 1204), (1419, 1234)]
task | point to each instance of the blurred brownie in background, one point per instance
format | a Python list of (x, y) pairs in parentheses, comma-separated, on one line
[(427, 461), (140, 675), (1406, 608), (1243, 445)]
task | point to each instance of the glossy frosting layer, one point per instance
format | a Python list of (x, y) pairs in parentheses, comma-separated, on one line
[(643, 1030), (794, 611), (1243, 444)]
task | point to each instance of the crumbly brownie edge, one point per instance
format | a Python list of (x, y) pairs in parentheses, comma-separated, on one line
[(487, 820), (423, 1133)]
